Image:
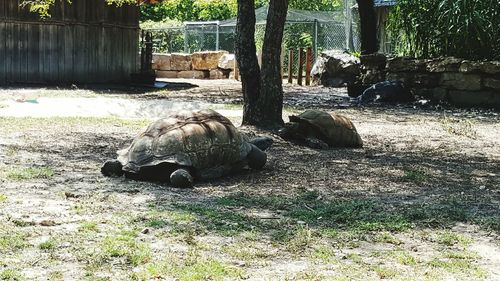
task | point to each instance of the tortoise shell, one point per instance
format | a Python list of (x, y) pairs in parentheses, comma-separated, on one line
[(197, 139), (336, 130)]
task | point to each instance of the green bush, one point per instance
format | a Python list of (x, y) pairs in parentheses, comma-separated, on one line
[(467, 29)]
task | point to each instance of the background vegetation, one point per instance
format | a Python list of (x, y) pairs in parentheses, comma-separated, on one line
[(467, 29)]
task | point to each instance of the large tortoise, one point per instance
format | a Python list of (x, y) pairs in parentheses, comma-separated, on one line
[(185, 146), (319, 129)]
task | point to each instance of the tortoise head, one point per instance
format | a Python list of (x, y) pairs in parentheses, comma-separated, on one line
[(290, 130)]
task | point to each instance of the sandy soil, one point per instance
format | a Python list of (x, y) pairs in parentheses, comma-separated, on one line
[(425, 187)]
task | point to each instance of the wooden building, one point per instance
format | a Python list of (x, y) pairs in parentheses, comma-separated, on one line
[(86, 41)]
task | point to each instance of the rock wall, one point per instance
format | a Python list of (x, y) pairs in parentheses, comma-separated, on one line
[(199, 65), (460, 82)]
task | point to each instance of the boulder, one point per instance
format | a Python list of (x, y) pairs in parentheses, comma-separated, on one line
[(192, 74), (461, 81), (374, 61), (491, 67), (206, 60), (405, 64), (448, 64), (492, 83), (227, 61), (335, 68), (161, 61), (180, 62), (218, 74), (166, 74)]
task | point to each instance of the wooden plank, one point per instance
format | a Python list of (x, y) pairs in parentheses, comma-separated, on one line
[(2, 9), (60, 53), (15, 65), (69, 69), (9, 47), (2, 51), (23, 52), (33, 54), (308, 66), (301, 66), (290, 66)]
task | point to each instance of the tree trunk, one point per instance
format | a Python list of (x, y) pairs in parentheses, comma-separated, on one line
[(247, 60), (271, 94), (367, 15)]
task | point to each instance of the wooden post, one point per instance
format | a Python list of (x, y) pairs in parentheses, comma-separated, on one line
[(236, 71), (290, 66), (301, 63), (308, 66)]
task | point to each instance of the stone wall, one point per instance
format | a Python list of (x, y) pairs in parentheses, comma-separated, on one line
[(460, 82), (199, 65)]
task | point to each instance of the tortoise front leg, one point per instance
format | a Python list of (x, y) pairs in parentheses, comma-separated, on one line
[(256, 158), (181, 178)]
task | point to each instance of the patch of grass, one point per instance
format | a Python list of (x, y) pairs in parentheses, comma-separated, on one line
[(25, 123), (403, 257), (385, 272), (192, 267), (302, 239), (459, 127), (56, 276), (88, 226), (12, 240), (449, 238), (3, 198), (156, 223), (324, 253), (414, 175), (124, 245), (30, 173), (11, 274), (458, 266), (48, 245), (249, 252), (386, 237)]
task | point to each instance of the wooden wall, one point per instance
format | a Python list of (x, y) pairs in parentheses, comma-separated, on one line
[(83, 42)]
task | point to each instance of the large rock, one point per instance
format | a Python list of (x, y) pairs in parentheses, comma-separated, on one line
[(461, 81), (492, 83), (180, 62), (448, 64), (227, 61), (161, 61), (491, 67), (374, 61), (206, 60), (219, 74), (166, 74), (467, 98), (406, 64), (336, 68), (192, 74)]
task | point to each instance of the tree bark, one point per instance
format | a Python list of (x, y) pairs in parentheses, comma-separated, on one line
[(271, 94), (367, 15), (247, 60)]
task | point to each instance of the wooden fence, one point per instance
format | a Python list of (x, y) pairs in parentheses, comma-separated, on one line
[(83, 42)]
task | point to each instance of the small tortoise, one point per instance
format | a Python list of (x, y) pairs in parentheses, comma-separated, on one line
[(318, 129), (185, 146)]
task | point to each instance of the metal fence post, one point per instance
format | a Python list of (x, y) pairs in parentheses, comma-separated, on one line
[(315, 37), (217, 44), (185, 40)]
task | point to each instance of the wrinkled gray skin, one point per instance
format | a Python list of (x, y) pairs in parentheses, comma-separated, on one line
[(302, 135), (183, 177)]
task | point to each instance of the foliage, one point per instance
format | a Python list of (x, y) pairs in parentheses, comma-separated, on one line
[(463, 28), (205, 10)]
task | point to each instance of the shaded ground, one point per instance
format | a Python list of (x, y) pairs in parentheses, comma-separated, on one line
[(420, 201)]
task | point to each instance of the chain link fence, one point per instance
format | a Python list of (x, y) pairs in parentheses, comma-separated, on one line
[(339, 32)]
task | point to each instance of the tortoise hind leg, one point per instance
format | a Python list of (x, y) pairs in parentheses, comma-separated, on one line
[(256, 158), (181, 178)]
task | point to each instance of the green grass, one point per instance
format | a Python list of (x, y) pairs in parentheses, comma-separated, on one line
[(414, 175), (11, 241), (3, 198), (11, 274), (31, 173), (449, 238), (192, 267), (48, 245), (125, 245), (88, 226)]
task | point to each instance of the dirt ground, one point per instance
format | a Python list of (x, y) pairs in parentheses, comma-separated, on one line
[(420, 200)]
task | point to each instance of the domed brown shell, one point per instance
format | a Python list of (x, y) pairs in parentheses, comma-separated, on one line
[(336, 130), (198, 139)]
